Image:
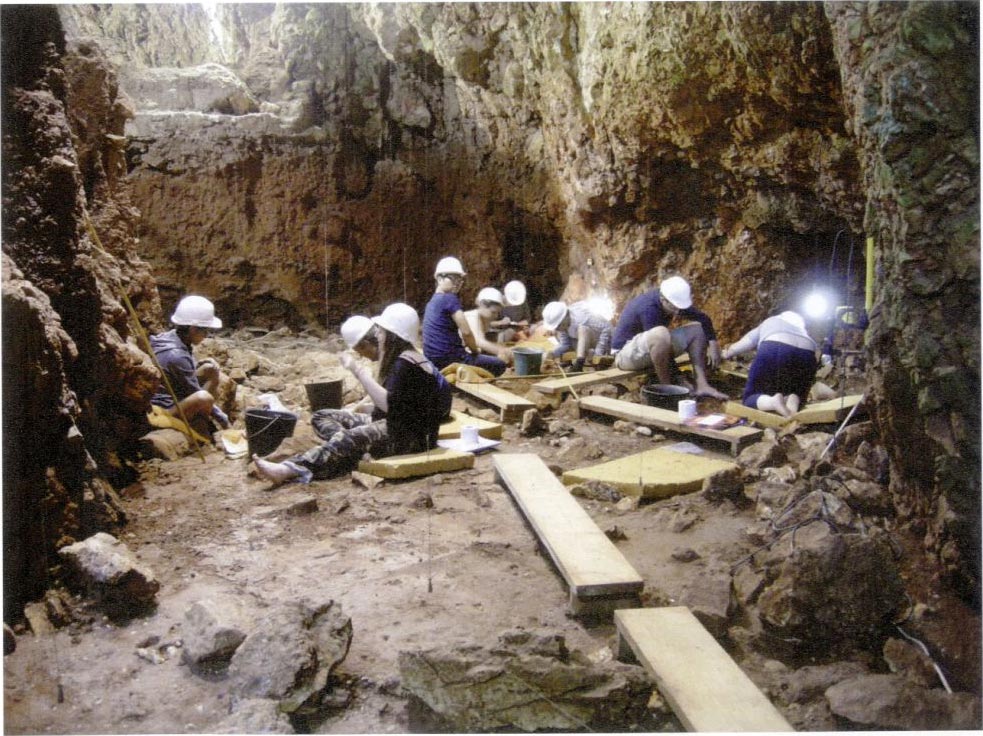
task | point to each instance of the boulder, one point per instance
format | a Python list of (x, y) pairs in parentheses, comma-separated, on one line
[(290, 656), (528, 681), (111, 574), (255, 715), (892, 702), (211, 634)]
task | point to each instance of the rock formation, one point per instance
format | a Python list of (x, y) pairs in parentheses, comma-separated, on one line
[(300, 162)]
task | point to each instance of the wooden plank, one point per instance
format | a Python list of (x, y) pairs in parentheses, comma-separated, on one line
[(737, 437), (656, 473), (438, 460), (703, 685), (820, 412), (588, 561), (510, 404), (561, 385), (451, 429)]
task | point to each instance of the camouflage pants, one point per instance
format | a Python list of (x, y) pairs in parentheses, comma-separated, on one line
[(347, 436)]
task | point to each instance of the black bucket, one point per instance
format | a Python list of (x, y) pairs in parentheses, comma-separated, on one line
[(266, 429), (664, 395), (326, 395)]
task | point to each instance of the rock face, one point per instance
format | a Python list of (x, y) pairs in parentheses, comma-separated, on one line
[(109, 571), (73, 386)]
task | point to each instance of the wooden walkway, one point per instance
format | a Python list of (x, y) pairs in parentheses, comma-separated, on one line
[(579, 380), (737, 437), (511, 406), (819, 412), (599, 577), (703, 685)]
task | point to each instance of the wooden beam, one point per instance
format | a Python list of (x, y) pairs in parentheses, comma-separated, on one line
[(656, 473), (737, 437), (562, 385), (820, 412), (593, 568), (764, 418), (703, 685), (438, 460), (511, 405)]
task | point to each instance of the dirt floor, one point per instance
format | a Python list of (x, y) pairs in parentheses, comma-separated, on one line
[(411, 576)]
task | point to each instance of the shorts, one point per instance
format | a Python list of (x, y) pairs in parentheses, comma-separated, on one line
[(634, 355)]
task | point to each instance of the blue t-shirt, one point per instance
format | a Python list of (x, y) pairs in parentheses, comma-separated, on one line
[(442, 342), (645, 312)]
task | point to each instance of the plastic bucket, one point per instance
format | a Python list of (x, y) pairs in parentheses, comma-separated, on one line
[(266, 429), (327, 395), (528, 361), (664, 395)]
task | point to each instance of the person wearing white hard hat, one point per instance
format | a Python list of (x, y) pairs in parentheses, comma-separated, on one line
[(643, 338), (577, 328), (484, 319), (516, 315), (447, 336), (195, 384), (411, 399), (784, 365)]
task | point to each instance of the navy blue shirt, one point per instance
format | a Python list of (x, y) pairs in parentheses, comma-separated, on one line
[(645, 312), (442, 342), (176, 360)]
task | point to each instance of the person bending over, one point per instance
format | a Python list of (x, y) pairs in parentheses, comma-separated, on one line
[(577, 328), (484, 319), (410, 396), (784, 366), (643, 339)]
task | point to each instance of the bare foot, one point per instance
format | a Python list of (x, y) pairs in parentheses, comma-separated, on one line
[(276, 472), (780, 406), (792, 401), (708, 390)]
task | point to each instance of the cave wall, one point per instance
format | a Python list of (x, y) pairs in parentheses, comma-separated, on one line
[(911, 75), (74, 388)]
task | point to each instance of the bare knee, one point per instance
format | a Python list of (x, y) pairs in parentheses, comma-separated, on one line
[(200, 402)]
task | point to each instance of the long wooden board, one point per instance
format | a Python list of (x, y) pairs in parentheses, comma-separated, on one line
[(703, 685), (451, 429), (561, 385), (737, 437), (819, 412), (510, 404), (588, 561)]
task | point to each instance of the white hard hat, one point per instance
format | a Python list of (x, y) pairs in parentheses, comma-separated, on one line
[(553, 314), (196, 311), (515, 293), (401, 320), (354, 329), (677, 291), (489, 294), (449, 264)]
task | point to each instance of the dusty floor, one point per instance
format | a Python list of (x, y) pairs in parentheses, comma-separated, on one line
[(409, 576)]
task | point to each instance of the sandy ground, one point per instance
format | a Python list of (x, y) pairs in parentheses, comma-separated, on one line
[(410, 577)]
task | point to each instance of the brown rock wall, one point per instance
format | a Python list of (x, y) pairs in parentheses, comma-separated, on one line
[(911, 75)]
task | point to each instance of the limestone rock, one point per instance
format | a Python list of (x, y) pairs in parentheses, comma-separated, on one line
[(907, 660), (806, 683), (724, 484), (209, 88), (107, 568), (891, 702), (211, 634), (526, 682), (290, 656)]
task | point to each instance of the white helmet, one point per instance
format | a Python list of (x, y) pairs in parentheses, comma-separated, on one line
[(354, 329), (449, 264), (515, 293), (677, 291), (400, 319), (196, 311), (553, 314), (489, 294)]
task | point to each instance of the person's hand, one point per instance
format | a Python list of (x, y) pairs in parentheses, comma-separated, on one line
[(348, 362), (726, 354), (713, 354), (505, 354), (221, 417)]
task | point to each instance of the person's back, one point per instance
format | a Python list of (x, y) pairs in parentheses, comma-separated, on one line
[(176, 360), (419, 400), (441, 342), (641, 313)]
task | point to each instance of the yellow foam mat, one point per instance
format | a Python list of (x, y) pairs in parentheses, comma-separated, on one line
[(438, 460), (160, 418), (656, 473)]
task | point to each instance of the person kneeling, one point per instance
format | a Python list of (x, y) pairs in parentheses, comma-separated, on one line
[(411, 398)]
